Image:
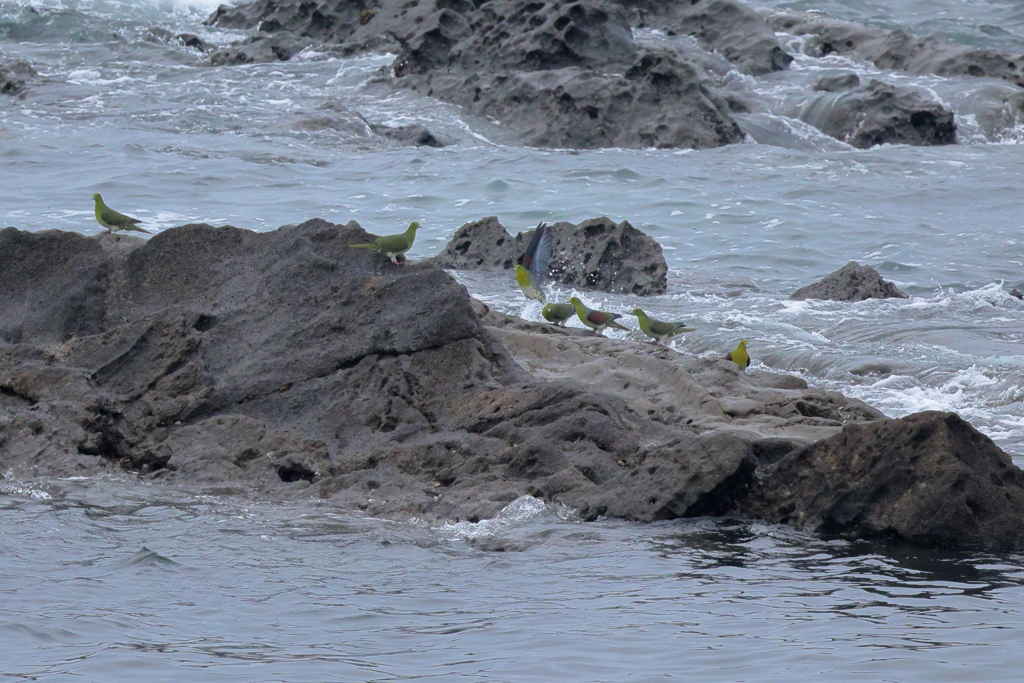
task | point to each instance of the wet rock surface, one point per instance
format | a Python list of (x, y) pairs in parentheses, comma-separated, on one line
[(928, 478), (852, 282), (597, 254), (13, 76), (876, 113), (896, 49), (286, 364), (730, 28), (560, 73)]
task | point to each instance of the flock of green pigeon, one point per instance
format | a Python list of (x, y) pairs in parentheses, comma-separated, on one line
[(531, 272)]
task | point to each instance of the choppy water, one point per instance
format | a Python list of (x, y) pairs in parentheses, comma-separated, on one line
[(229, 591)]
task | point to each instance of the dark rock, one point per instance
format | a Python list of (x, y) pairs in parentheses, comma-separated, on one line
[(878, 113), (731, 28), (596, 254), (852, 282), (927, 478), (414, 134), (1016, 293), (559, 73), (13, 76), (896, 49), (157, 34), (837, 83), (279, 46)]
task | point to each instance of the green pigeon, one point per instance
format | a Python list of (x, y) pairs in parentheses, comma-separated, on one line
[(596, 320), (112, 220), (558, 313), (393, 246), (532, 269), (659, 330), (739, 355)]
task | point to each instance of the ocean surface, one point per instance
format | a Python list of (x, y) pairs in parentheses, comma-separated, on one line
[(118, 580)]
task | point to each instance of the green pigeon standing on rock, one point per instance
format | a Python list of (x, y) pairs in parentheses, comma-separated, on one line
[(112, 220), (739, 355), (532, 269), (558, 313), (659, 330), (393, 246), (596, 320)]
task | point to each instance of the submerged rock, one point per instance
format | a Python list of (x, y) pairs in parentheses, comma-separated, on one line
[(13, 76), (728, 27), (596, 254), (895, 49), (927, 478), (877, 113), (852, 282)]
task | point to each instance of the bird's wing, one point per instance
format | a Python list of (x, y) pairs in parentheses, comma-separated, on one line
[(393, 243), (538, 254), (116, 217), (601, 317)]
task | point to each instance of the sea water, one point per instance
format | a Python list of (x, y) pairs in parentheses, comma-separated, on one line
[(120, 580)]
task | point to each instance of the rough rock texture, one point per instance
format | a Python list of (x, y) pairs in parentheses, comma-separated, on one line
[(560, 73), (13, 76), (596, 254), (286, 364), (728, 27), (877, 113), (927, 478), (852, 282), (896, 49)]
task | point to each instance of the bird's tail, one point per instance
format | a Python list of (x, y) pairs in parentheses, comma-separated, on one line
[(621, 327), (136, 228)]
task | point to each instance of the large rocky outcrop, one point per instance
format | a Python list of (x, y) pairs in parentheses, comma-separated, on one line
[(928, 478), (286, 364), (877, 113), (730, 28), (852, 282), (596, 254), (896, 49), (560, 73)]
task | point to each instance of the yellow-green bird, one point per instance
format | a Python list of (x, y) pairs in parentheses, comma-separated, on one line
[(596, 320), (558, 313), (532, 269), (659, 330), (739, 355), (112, 220), (393, 246)]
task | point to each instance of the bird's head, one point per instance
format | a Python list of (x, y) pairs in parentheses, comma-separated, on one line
[(575, 301), (522, 275), (743, 343), (637, 312), (414, 226), (97, 197)]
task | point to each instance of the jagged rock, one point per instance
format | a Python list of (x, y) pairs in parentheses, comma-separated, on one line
[(731, 28), (596, 254), (877, 113), (279, 46), (415, 134), (838, 83), (896, 49), (927, 478), (157, 34), (852, 282), (13, 76), (559, 73)]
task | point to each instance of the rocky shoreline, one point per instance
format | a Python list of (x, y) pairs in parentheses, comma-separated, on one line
[(286, 365), (575, 73)]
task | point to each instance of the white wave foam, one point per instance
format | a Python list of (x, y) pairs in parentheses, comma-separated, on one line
[(515, 513)]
